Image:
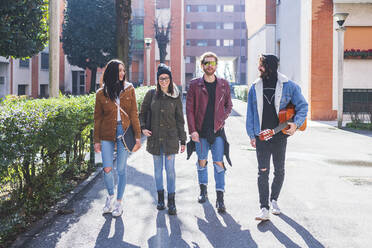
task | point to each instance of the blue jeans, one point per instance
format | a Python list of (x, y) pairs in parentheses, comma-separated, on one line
[(217, 149), (168, 160), (107, 148)]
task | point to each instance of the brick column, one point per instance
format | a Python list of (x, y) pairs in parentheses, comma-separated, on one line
[(320, 89), (35, 76)]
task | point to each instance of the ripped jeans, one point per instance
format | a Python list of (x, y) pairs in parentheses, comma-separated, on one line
[(217, 148), (264, 151)]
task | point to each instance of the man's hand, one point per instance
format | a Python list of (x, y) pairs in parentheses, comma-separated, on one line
[(183, 148), (195, 136), (137, 146), (253, 143), (97, 147), (292, 128), (146, 132)]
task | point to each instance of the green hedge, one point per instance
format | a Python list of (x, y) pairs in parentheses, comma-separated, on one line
[(241, 92), (43, 143)]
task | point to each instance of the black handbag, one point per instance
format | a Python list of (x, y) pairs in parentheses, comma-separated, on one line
[(148, 113), (127, 138)]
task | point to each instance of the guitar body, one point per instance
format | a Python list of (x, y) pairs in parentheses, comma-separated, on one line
[(285, 115)]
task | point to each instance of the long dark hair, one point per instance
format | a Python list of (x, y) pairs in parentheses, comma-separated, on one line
[(271, 63), (112, 85)]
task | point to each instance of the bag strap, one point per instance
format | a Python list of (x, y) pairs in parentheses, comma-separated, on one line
[(122, 110)]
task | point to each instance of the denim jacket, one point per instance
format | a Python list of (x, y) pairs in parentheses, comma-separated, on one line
[(286, 91)]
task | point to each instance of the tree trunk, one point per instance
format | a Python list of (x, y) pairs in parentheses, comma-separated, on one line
[(93, 80), (123, 15)]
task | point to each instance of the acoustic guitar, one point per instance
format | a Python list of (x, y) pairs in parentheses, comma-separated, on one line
[(285, 115)]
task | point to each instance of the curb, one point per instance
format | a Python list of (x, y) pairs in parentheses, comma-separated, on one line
[(54, 212)]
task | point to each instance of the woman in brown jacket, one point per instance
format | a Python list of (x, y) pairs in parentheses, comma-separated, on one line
[(166, 134), (109, 123)]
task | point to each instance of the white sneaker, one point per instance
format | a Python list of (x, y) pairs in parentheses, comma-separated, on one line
[(275, 208), (108, 206), (118, 209), (264, 214)]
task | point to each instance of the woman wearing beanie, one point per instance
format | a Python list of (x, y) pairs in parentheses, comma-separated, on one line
[(164, 128), (109, 123)]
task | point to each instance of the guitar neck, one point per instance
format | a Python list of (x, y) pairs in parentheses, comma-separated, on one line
[(281, 126)]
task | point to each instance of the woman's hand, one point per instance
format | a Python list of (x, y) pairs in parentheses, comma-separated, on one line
[(146, 132), (97, 147), (195, 136), (183, 147), (137, 146)]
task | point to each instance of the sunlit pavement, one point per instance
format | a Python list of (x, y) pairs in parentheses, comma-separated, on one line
[(326, 199)]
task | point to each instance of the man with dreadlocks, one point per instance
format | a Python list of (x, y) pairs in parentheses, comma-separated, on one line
[(269, 94)]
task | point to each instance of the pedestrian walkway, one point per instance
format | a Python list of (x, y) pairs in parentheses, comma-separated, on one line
[(325, 199)]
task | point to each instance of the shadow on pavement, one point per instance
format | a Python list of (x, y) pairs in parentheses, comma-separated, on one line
[(220, 235), (305, 234), (162, 238), (265, 226), (50, 236), (139, 179), (103, 239)]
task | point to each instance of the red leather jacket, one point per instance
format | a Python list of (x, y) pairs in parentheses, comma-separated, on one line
[(197, 100)]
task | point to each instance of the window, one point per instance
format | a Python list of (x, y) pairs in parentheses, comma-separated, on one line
[(202, 43), (200, 26), (45, 61), (188, 43), (202, 8), (78, 82), (82, 82), (228, 8), (357, 100), (239, 8), (22, 88), (218, 8), (188, 25), (188, 8), (2, 80), (218, 43), (218, 25), (228, 43), (187, 59), (228, 25), (24, 63), (43, 90)]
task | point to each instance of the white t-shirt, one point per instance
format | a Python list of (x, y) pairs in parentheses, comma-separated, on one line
[(118, 114)]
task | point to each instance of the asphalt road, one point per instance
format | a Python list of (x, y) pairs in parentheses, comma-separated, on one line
[(326, 199)]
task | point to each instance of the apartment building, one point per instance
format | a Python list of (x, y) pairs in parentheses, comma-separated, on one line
[(218, 26)]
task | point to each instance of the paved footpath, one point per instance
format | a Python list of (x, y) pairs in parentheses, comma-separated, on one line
[(326, 199)]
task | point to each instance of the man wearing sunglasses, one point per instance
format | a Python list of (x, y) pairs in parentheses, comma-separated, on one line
[(208, 105)]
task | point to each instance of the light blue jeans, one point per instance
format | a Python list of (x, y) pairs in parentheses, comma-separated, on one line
[(202, 148), (108, 148), (168, 161)]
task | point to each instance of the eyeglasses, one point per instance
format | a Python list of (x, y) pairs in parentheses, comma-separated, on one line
[(163, 79), (208, 63)]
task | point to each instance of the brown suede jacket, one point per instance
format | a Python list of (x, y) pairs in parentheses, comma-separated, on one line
[(105, 114)]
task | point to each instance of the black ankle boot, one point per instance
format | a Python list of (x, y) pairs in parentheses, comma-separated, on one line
[(172, 204), (161, 204), (203, 193), (220, 205)]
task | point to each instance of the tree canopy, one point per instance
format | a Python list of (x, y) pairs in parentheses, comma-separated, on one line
[(23, 27), (88, 34)]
